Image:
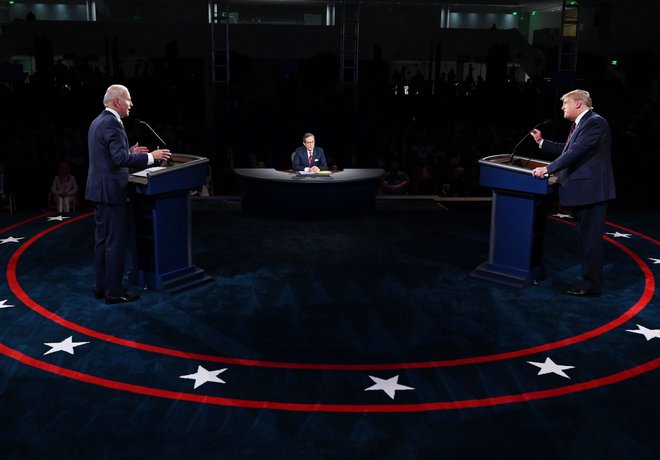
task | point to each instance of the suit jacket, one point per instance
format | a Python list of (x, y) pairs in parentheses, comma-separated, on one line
[(585, 166), (109, 160), (300, 159)]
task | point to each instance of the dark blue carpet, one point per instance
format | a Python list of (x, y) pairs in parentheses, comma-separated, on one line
[(303, 316)]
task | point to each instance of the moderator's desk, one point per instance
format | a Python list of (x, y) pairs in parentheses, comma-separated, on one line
[(347, 191)]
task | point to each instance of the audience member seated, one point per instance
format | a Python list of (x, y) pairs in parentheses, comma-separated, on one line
[(206, 189), (64, 189), (308, 157), (457, 185), (395, 181)]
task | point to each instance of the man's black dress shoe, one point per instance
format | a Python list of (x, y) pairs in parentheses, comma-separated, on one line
[(579, 292), (123, 299)]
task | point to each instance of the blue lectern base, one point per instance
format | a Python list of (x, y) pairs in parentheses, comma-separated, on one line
[(515, 255), (508, 276), (162, 255), (170, 282)]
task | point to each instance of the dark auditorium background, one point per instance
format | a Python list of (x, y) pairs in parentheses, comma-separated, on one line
[(436, 85), (305, 313)]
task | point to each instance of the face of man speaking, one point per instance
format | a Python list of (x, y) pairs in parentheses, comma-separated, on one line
[(572, 108), (122, 104)]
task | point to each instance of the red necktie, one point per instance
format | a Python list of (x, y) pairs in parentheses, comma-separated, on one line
[(570, 133), (310, 158)]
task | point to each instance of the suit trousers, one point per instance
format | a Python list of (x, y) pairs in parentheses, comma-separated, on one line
[(110, 247), (590, 224)]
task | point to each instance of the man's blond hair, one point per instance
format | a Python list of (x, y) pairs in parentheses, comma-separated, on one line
[(579, 95)]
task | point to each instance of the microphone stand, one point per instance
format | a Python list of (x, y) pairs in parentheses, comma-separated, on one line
[(162, 162), (537, 126), (513, 152)]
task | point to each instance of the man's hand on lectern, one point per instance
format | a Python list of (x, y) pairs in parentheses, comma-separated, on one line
[(161, 154), (540, 172)]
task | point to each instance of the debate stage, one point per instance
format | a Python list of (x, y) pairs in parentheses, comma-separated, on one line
[(360, 336)]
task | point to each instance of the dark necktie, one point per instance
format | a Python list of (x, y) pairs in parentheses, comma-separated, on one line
[(310, 158), (570, 133)]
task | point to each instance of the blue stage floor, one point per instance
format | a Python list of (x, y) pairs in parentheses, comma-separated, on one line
[(324, 338)]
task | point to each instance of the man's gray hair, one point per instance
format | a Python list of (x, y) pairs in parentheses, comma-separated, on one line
[(114, 92)]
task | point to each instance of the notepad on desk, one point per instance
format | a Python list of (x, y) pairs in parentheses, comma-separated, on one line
[(320, 173)]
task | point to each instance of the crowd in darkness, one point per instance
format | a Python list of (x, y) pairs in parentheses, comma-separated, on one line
[(434, 135), (48, 115)]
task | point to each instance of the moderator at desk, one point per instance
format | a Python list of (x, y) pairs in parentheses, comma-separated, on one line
[(348, 191)]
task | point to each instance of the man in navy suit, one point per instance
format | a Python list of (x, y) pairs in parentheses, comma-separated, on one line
[(586, 182), (308, 157), (107, 182)]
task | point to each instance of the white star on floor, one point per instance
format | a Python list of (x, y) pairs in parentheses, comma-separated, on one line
[(202, 376), (563, 216), (655, 261), (3, 304), (619, 235), (11, 239), (60, 218), (648, 333), (65, 345), (549, 367), (389, 386)]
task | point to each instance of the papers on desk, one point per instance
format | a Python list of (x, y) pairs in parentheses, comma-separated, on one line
[(320, 173), (148, 171)]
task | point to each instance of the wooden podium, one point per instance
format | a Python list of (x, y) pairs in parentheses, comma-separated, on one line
[(518, 220), (162, 255)]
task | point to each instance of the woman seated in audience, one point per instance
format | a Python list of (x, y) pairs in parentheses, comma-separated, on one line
[(64, 189)]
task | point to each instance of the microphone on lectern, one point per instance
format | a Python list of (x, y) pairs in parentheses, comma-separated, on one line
[(162, 162), (537, 126), (152, 130)]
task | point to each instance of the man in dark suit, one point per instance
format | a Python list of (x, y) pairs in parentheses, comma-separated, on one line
[(586, 182), (308, 157), (107, 182)]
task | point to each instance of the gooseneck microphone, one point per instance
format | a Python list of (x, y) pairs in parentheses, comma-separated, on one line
[(537, 126), (162, 162), (152, 130)]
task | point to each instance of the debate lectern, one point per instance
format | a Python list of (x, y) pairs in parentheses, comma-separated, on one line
[(518, 219), (161, 239)]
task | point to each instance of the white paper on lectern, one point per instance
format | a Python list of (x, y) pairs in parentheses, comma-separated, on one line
[(146, 172)]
